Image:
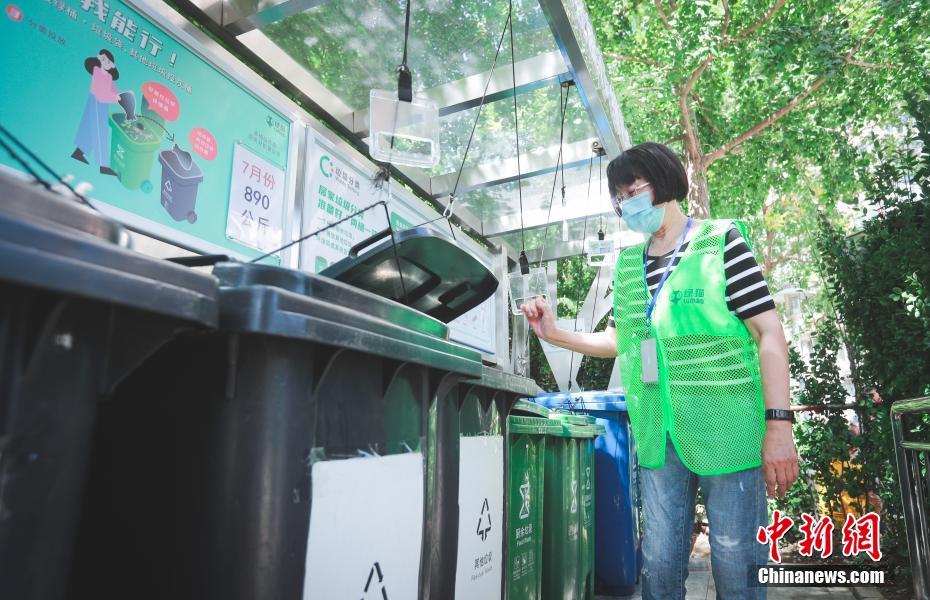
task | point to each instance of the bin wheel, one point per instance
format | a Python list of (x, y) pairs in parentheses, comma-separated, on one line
[(146, 186), (191, 217)]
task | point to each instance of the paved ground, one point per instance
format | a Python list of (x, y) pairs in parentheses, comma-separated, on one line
[(700, 583)]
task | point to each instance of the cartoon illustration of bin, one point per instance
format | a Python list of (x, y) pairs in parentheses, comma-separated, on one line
[(180, 178), (132, 152)]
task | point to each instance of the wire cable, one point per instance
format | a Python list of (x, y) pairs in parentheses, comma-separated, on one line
[(83, 199), (516, 127), (447, 214), (597, 278), (563, 104)]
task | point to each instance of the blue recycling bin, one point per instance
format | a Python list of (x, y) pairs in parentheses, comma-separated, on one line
[(617, 554)]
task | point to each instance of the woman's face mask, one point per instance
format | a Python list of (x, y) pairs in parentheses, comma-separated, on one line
[(640, 215)]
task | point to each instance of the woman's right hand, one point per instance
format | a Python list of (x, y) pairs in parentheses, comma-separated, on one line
[(539, 314)]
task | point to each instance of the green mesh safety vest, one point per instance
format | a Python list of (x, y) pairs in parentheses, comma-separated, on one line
[(709, 394)]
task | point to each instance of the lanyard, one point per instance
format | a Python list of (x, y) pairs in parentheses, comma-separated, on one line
[(651, 302)]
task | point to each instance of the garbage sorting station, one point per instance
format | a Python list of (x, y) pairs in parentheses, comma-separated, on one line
[(260, 272)]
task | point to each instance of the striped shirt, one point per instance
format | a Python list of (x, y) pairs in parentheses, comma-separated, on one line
[(747, 294)]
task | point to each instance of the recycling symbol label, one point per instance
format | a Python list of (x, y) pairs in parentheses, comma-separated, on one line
[(168, 185), (484, 521), (373, 586), (525, 495), (587, 480), (574, 507)]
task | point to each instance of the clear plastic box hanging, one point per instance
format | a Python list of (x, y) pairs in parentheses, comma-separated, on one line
[(525, 287), (403, 133), (601, 253)]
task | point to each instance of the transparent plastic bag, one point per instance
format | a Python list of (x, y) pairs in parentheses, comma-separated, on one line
[(601, 253), (524, 287)]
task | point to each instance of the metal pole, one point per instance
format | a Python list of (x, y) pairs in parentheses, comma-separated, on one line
[(914, 510)]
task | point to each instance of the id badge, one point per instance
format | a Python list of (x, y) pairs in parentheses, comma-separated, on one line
[(650, 360)]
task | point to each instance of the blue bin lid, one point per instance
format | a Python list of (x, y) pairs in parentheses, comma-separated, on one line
[(605, 400)]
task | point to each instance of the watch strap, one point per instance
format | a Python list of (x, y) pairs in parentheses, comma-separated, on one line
[(778, 414)]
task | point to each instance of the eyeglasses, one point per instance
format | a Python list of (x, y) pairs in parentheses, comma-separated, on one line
[(618, 199)]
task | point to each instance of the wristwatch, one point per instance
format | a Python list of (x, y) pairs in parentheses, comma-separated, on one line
[(778, 414)]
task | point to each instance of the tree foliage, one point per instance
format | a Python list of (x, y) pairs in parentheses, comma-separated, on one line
[(879, 278), (878, 282), (756, 93)]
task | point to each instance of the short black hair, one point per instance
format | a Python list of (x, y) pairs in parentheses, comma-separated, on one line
[(657, 164)]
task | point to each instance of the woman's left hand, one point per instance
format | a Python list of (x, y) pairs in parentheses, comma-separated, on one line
[(779, 458)]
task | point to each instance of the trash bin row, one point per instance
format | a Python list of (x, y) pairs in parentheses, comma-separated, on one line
[(256, 432)]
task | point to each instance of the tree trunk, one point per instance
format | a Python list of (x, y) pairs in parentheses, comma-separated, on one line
[(698, 198)]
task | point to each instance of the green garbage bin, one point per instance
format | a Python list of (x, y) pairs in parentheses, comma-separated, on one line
[(587, 467), (586, 431), (527, 428), (132, 152), (562, 512)]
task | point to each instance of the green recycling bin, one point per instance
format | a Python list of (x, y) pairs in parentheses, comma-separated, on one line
[(132, 152), (586, 462), (562, 513), (527, 428), (569, 536)]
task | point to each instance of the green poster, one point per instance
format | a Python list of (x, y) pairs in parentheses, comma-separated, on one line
[(105, 96)]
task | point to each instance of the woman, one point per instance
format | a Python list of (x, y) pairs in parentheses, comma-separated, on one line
[(93, 136), (704, 365)]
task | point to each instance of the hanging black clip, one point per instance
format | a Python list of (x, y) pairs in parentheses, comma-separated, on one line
[(600, 234), (524, 263), (404, 84)]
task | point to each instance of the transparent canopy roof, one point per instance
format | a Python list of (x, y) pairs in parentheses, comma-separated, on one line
[(336, 52), (353, 47)]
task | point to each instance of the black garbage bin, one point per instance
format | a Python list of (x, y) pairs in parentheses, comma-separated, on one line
[(77, 313), (282, 456), (466, 524)]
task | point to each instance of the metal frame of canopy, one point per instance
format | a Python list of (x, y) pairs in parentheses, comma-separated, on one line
[(576, 58)]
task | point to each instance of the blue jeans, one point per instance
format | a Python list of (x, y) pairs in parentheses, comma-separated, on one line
[(93, 135), (736, 508)]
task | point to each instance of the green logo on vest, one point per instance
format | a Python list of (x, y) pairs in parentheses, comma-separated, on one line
[(688, 296)]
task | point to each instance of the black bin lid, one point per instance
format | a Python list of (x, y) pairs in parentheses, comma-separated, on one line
[(50, 242), (236, 275), (29, 201), (441, 279), (280, 302)]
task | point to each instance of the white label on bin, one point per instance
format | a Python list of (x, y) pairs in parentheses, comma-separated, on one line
[(481, 518), (256, 202), (366, 525)]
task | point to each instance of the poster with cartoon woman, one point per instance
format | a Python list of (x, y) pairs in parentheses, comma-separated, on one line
[(93, 135)]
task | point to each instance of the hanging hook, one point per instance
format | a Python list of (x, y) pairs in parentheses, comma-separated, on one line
[(524, 263)]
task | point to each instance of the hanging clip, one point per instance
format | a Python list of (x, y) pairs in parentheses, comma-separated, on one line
[(404, 84), (447, 212), (524, 263), (600, 234), (383, 174), (597, 149)]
